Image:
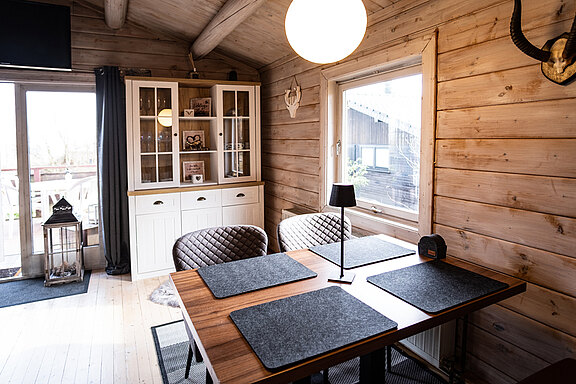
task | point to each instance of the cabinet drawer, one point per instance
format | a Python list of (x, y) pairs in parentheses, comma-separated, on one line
[(201, 199), (244, 195), (165, 202)]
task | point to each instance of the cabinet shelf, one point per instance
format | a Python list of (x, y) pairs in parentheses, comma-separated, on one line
[(197, 152), (197, 118), (155, 153), (208, 182)]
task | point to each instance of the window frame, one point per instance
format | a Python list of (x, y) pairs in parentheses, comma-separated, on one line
[(385, 210), (418, 51)]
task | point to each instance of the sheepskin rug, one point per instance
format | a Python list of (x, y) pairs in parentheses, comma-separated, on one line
[(164, 295)]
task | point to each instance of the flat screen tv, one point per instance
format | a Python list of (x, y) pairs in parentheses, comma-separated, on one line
[(34, 35)]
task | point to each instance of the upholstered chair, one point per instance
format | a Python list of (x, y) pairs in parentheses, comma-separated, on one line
[(305, 231), (215, 246)]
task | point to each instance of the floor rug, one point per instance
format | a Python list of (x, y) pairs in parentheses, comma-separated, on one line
[(164, 295), (30, 290), (171, 343)]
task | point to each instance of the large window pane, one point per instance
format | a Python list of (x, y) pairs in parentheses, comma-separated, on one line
[(381, 131), (62, 146)]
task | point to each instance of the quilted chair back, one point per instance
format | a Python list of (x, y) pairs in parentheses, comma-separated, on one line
[(305, 231), (218, 245)]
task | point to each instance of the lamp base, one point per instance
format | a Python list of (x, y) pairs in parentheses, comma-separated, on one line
[(347, 278)]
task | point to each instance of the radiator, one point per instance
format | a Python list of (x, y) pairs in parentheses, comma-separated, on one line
[(435, 345)]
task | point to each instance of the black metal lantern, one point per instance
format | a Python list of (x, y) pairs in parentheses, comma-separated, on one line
[(63, 253)]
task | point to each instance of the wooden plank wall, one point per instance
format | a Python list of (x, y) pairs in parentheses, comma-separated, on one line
[(132, 46), (505, 175)]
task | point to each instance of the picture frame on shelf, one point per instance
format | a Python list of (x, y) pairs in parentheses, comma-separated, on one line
[(191, 169), (193, 140), (202, 106)]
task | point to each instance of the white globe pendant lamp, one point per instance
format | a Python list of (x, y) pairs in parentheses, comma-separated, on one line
[(325, 31)]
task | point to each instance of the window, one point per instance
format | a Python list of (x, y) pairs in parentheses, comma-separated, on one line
[(380, 139), (378, 125)]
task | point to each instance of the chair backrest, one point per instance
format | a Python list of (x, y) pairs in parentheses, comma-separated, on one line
[(305, 231), (219, 245)]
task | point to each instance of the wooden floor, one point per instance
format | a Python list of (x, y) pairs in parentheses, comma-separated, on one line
[(102, 336)]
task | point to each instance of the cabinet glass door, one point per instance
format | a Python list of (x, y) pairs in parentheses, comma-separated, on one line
[(238, 132), (155, 149)]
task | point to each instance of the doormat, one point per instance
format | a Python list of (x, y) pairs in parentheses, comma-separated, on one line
[(171, 341), (31, 290)]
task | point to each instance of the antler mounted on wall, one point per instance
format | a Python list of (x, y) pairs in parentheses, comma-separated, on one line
[(557, 55), (292, 98)]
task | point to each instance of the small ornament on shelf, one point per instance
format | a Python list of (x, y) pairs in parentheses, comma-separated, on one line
[(193, 140)]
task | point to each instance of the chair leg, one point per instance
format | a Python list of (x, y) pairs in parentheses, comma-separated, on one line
[(325, 376), (188, 362), (199, 358), (208, 378), (389, 358)]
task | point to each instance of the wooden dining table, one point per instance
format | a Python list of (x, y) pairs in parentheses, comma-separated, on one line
[(230, 359)]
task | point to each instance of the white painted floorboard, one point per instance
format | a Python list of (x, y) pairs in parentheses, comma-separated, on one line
[(102, 336)]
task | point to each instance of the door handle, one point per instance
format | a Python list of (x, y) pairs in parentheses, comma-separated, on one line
[(201, 198), (240, 195), (158, 202)]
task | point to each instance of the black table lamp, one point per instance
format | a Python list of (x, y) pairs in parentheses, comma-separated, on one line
[(342, 196)]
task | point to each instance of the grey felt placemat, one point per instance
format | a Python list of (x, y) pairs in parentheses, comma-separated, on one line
[(436, 286), (247, 275), (296, 328), (361, 251)]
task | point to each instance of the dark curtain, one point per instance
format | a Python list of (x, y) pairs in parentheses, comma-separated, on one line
[(113, 180)]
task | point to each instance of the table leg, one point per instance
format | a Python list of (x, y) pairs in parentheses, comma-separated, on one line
[(459, 366), (372, 367), (305, 380)]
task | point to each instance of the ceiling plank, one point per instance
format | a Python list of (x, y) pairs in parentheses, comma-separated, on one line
[(115, 13), (226, 20)]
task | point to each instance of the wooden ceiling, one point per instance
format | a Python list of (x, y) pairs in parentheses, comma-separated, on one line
[(257, 41)]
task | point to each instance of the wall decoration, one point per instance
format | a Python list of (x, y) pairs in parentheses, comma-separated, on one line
[(292, 98), (193, 140), (202, 106), (557, 56), (192, 168)]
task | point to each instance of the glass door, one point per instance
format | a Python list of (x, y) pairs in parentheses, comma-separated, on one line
[(48, 152), (10, 262), (156, 130), (238, 134)]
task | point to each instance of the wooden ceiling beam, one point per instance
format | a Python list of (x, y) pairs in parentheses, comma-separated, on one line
[(115, 13), (226, 20)]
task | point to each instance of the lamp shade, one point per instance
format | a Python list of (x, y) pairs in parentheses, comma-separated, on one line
[(342, 195), (325, 31)]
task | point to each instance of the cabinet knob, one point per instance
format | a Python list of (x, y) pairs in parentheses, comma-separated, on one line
[(158, 202), (176, 134), (240, 195), (201, 198)]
